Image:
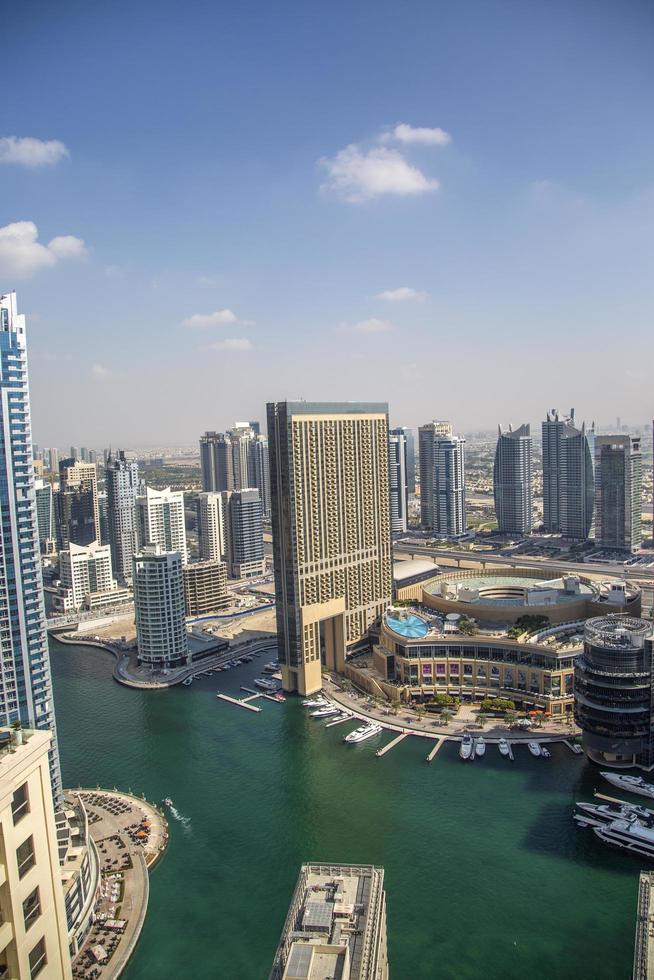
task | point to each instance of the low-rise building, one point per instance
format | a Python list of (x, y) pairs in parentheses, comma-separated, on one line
[(33, 929), (336, 925), (205, 587)]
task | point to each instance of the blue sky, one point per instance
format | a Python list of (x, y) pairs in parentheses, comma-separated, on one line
[(269, 170)]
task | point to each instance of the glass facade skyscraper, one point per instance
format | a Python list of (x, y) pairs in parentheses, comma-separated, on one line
[(25, 684), (512, 481), (568, 476)]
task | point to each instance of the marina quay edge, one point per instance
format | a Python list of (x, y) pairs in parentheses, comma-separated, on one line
[(326, 491)]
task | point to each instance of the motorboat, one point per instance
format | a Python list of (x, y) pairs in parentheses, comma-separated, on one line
[(627, 833), (546, 754), (534, 748), (465, 750), (361, 734), (632, 784), (271, 666), (325, 712), (187, 681), (480, 746), (503, 746), (314, 702), (265, 685), (167, 801), (576, 748), (606, 813)]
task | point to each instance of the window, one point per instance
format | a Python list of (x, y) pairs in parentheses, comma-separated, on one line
[(38, 959), (25, 857), (31, 908), (20, 804)]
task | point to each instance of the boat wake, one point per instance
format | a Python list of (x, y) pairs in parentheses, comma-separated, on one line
[(185, 821)]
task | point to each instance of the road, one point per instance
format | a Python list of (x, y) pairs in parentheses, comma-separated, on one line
[(634, 574)]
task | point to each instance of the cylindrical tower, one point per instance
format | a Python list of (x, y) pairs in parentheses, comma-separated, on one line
[(613, 691)]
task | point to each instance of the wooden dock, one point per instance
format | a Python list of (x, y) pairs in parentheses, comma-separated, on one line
[(240, 704), (396, 741), (437, 745)]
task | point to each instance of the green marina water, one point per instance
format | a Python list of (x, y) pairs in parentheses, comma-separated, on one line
[(486, 874)]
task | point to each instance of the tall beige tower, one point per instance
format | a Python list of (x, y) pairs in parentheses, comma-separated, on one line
[(33, 937), (331, 531)]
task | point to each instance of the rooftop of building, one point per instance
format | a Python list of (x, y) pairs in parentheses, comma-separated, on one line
[(329, 931), (413, 568), (333, 408)]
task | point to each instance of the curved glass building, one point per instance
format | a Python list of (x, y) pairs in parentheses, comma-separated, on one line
[(613, 691)]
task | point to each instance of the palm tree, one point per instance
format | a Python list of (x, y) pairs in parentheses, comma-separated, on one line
[(482, 717), (446, 714)]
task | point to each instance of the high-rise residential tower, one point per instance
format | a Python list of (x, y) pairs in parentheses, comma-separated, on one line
[(211, 526), (398, 480), (442, 480), (244, 533), (618, 492), (568, 476), (26, 688), (512, 481), (216, 461), (122, 483), (236, 460), (159, 608), (78, 512), (45, 516), (160, 520), (331, 531)]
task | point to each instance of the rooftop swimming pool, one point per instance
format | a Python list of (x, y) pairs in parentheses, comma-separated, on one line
[(410, 626)]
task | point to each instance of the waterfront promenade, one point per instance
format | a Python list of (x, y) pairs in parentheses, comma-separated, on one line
[(131, 836)]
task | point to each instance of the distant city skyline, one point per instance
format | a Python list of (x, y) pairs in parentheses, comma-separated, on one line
[(306, 220)]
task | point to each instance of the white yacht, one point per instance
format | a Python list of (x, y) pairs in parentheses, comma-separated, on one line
[(503, 746), (325, 712), (480, 746), (465, 750), (315, 702), (187, 681), (546, 754), (631, 784), (361, 734), (627, 833), (576, 748), (605, 813), (266, 685), (534, 748)]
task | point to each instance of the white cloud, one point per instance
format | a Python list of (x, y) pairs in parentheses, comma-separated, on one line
[(232, 343), (401, 294), (358, 175), (100, 371), (21, 253), (27, 151), (404, 133), (217, 319), (373, 325)]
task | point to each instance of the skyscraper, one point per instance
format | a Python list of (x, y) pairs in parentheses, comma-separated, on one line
[(236, 460), (45, 515), (160, 520), (442, 480), (26, 689), (398, 480), (122, 483), (244, 533), (331, 531), (78, 512), (211, 526), (568, 476), (409, 435), (618, 492), (159, 608), (512, 481)]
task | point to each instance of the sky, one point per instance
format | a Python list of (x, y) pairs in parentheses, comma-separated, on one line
[(448, 206)]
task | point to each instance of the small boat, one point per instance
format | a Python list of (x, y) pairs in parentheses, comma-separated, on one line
[(314, 702), (503, 746), (534, 748), (189, 680), (480, 746), (576, 748), (546, 754), (361, 734), (325, 712), (167, 801), (465, 750), (632, 784)]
